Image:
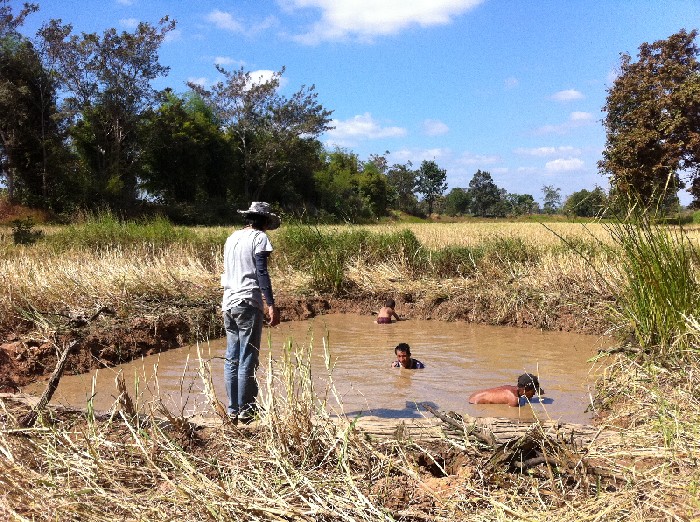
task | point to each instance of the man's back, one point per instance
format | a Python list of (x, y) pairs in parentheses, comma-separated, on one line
[(501, 395)]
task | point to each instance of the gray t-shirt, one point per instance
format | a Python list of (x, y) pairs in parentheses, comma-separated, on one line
[(240, 277)]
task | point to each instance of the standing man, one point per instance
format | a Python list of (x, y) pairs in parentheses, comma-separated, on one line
[(246, 282)]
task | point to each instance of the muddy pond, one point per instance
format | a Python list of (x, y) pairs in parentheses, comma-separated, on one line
[(460, 358)]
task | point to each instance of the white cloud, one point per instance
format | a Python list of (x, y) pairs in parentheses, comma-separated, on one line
[(229, 22), (526, 170), (611, 77), (434, 128), (129, 23), (584, 117), (564, 165), (511, 83), (467, 159), (361, 127), (202, 81), (173, 36), (268, 22), (226, 60), (548, 151), (365, 19), (567, 95), (576, 119), (265, 75), (416, 156), (224, 21)]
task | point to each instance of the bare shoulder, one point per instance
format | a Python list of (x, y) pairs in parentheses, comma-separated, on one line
[(499, 395)]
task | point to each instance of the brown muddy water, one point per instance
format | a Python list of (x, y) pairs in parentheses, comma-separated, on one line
[(460, 358)]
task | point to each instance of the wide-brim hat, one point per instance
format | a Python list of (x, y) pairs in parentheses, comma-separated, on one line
[(527, 380), (260, 208)]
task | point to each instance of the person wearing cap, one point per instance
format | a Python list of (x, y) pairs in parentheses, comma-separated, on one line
[(246, 285), (527, 386)]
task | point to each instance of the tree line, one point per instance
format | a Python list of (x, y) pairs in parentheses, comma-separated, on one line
[(81, 127)]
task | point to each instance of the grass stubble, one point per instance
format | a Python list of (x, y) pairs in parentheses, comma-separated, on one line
[(301, 461)]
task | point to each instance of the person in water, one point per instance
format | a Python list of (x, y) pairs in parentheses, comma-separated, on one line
[(404, 359), (387, 312), (528, 385)]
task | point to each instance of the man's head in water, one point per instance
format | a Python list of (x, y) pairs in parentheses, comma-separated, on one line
[(528, 385), (403, 354)]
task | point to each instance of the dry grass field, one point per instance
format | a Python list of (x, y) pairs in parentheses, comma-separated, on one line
[(297, 463)]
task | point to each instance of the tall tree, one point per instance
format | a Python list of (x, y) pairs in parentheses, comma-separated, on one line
[(520, 204), (586, 203), (431, 182), (653, 120), (107, 82), (187, 158), (401, 179), (457, 202), (17, 67), (338, 185), (552, 199), (268, 130), (374, 186), (485, 194)]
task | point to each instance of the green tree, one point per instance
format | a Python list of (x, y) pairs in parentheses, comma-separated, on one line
[(373, 187), (586, 203), (270, 132), (485, 195), (457, 202), (30, 139), (337, 182), (107, 92), (653, 120), (519, 204), (431, 182), (401, 179), (552, 199), (187, 159)]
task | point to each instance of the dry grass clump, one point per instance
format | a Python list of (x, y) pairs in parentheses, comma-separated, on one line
[(656, 412), (41, 285)]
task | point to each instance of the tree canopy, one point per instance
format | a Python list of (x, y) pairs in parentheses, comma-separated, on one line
[(485, 195), (270, 132), (431, 182), (653, 120), (586, 203)]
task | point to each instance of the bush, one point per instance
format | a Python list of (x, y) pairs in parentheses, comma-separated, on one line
[(326, 254), (23, 232)]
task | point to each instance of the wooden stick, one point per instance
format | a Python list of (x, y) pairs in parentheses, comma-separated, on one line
[(28, 420)]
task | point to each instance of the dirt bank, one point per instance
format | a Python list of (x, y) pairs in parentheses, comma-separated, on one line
[(110, 337)]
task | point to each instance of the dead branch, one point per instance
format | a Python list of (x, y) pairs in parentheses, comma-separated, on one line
[(28, 420)]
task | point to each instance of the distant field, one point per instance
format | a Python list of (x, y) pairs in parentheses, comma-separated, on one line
[(438, 235)]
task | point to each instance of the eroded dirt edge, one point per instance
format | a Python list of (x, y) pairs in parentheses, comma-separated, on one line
[(110, 337)]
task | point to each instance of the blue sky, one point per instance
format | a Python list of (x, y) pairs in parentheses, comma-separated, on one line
[(513, 87)]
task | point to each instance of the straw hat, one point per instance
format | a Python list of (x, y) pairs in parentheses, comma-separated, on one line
[(261, 208)]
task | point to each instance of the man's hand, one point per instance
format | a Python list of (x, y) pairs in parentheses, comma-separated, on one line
[(274, 315)]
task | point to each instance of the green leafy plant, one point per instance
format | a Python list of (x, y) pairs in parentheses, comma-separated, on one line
[(23, 232)]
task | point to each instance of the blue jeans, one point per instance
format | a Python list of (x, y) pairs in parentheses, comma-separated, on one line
[(243, 324)]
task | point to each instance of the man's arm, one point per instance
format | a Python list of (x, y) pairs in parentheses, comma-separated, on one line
[(266, 287)]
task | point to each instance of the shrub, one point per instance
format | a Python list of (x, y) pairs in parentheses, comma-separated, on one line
[(23, 232)]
